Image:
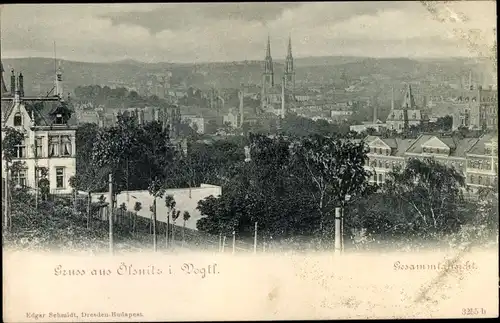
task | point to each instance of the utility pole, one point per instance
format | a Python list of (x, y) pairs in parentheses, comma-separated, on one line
[(7, 199), (255, 239), (154, 225), (337, 231), (110, 217), (74, 200), (234, 241), (167, 234)]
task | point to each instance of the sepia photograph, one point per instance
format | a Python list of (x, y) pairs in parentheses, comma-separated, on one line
[(249, 161)]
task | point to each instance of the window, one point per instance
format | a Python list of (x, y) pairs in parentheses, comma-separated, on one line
[(37, 176), (472, 179), (480, 180), (18, 119), (437, 150), (59, 119), (380, 178), (20, 177), (66, 146), (39, 147), (21, 150), (380, 151), (59, 177), (54, 146)]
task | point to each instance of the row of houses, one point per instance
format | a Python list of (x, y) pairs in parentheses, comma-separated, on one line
[(475, 158)]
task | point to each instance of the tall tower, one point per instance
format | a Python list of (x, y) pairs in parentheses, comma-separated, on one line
[(408, 104), (241, 111), (283, 111), (289, 70), (59, 85), (268, 75), (3, 88)]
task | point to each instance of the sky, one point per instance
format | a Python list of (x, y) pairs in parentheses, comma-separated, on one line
[(209, 32)]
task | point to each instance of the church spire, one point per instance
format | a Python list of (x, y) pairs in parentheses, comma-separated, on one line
[(268, 49), (289, 46), (289, 71), (268, 75)]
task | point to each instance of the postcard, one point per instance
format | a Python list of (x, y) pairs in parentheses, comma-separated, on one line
[(249, 161)]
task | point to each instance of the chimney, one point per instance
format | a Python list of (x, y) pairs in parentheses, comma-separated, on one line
[(17, 96), (283, 98), (471, 87), (241, 106), (59, 86), (21, 84), (140, 117), (177, 121), (157, 115), (13, 83), (392, 99)]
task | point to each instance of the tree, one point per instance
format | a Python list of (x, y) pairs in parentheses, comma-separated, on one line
[(335, 170), (427, 197), (10, 146), (185, 217), (175, 216), (123, 209), (137, 208), (170, 204)]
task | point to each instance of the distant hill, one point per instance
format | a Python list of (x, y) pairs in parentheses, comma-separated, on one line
[(39, 72)]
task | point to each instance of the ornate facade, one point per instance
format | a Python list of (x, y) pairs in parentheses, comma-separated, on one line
[(49, 128)]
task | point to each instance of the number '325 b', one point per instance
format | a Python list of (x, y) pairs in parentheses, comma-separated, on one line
[(473, 311)]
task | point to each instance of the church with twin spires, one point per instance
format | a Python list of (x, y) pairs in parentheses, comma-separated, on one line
[(274, 89)]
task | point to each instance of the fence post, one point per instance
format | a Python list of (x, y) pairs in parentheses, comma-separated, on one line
[(338, 246), (234, 241), (110, 213), (255, 239)]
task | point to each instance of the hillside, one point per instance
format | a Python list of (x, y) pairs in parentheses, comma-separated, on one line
[(39, 72)]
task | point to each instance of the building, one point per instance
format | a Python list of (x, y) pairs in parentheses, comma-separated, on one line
[(233, 118), (408, 115), (378, 126), (271, 92), (186, 200), (475, 158), (49, 127), (196, 122), (482, 162)]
